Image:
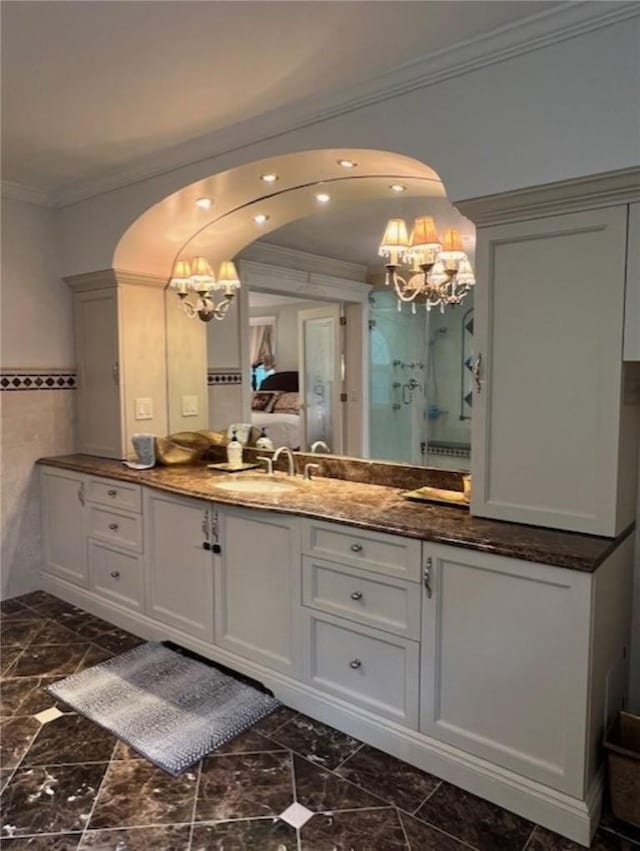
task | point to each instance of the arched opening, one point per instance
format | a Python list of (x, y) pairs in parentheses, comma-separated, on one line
[(303, 230)]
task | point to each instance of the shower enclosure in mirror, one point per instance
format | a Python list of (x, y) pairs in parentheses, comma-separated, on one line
[(420, 391)]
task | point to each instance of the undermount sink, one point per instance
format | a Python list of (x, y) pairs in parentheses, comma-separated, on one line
[(255, 484)]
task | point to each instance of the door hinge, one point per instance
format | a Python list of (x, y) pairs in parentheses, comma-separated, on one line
[(372, 324), (343, 320), (343, 397)]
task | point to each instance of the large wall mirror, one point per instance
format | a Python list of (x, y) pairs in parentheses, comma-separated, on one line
[(316, 350)]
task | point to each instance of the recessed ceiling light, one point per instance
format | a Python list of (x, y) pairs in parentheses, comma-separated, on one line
[(260, 219), (398, 187), (204, 203), (269, 178), (322, 197), (347, 163)]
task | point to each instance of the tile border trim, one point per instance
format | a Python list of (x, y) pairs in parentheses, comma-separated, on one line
[(37, 379), (227, 376)]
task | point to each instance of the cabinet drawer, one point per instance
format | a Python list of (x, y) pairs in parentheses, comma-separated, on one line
[(116, 494), (390, 554), (114, 527), (116, 574), (374, 669), (384, 602)]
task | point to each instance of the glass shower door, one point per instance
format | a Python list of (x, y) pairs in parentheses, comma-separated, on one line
[(320, 376), (397, 347)]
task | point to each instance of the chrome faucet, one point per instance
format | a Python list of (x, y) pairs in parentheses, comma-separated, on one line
[(268, 463), (320, 446), (285, 449), (308, 468)]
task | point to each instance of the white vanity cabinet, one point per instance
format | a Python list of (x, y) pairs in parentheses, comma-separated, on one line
[(523, 664), (115, 541), (64, 544), (361, 612), (549, 316), (257, 581), (179, 568)]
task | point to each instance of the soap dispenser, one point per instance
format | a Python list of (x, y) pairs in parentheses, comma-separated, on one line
[(234, 452), (264, 442)]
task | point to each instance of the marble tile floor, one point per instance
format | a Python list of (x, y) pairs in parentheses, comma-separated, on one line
[(287, 784)]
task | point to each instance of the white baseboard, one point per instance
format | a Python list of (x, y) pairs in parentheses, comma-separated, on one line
[(571, 817)]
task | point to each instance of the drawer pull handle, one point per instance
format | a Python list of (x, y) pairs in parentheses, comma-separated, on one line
[(112, 492), (113, 527), (356, 548), (115, 574), (426, 577), (355, 664), (356, 595)]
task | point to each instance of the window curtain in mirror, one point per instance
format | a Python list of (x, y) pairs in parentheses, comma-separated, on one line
[(262, 346)]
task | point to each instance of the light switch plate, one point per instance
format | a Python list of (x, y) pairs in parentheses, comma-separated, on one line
[(189, 406), (144, 409)]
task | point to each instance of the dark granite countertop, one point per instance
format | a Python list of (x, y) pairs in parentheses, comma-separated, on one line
[(369, 506)]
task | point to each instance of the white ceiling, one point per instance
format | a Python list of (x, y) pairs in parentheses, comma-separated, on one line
[(89, 87)]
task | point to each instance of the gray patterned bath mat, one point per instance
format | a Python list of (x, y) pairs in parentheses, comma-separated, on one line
[(171, 709)]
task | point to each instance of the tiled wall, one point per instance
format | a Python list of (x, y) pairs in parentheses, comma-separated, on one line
[(35, 422)]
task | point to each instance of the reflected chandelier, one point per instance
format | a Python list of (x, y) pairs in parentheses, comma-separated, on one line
[(440, 272), (194, 283)]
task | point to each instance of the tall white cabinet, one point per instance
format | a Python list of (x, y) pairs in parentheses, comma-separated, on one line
[(121, 357), (556, 414)]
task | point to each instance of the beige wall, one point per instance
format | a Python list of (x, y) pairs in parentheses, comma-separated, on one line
[(36, 333), (36, 320)]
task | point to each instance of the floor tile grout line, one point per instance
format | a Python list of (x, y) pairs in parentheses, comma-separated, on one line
[(436, 827), (293, 777), (93, 806), (80, 831), (351, 755), (618, 834), (22, 758), (195, 804), (404, 831), (426, 798), (343, 779)]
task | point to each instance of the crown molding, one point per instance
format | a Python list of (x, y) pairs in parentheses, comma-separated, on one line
[(298, 284), (112, 279), (291, 258), (22, 192), (555, 25), (567, 196)]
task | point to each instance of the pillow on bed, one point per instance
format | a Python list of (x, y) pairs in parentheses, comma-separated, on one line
[(286, 403), (264, 400)]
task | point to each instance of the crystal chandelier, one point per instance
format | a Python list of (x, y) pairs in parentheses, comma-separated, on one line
[(194, 283), (440, 272)]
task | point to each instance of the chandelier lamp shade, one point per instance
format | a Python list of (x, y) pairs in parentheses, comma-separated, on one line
[(194, 283), (440, 272)]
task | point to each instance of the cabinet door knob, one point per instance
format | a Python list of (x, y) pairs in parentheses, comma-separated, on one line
[(355, 664), (356, 595), (115, 574), (113, 527), (356, 548), (112, 492)]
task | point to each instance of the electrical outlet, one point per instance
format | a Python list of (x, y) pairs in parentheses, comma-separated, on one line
[(189, 406), (144, 409)]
